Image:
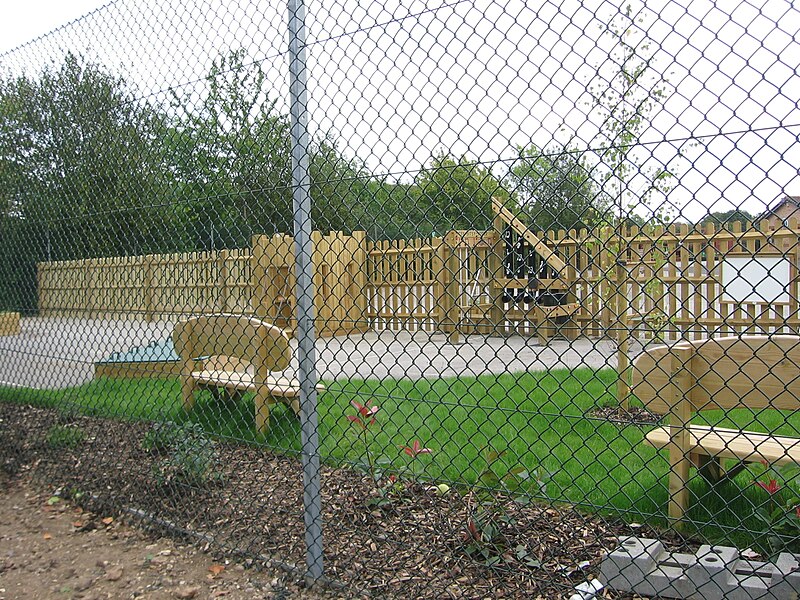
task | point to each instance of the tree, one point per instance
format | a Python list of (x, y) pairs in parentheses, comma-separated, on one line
[(387, 210), (80, 158), (555, 188), (455, 194), (728, 217), (625, 96), (231, 151)]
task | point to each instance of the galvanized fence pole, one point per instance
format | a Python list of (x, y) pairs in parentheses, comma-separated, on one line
[(304, 290)]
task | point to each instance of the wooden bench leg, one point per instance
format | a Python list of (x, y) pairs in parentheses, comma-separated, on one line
[(678, 491), (263, 401), (710, 468), (188, 386)]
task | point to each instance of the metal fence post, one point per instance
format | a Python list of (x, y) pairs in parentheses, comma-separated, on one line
[(304, 291)]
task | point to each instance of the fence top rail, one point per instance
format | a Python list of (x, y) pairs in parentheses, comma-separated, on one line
[(680, 232)]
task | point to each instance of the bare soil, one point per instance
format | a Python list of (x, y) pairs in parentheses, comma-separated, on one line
[(50, 548), (414, 542)]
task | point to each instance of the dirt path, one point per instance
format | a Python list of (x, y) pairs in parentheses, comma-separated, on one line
[(50, 549)]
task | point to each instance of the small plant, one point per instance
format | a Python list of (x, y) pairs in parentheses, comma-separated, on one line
[(68, 414), (168, 435), (414, 451), (486, 515), (389, 492), (191, 454), (64, 436), (781, 512), (364, 420)]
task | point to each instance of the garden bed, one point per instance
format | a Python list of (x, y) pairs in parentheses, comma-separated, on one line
[(418, 545)]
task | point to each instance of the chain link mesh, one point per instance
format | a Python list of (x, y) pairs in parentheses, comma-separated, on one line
[(443, 299)]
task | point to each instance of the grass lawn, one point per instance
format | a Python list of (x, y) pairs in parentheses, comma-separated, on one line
[(542, 420)]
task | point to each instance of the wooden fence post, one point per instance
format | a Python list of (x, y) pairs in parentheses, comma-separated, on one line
[(258, 273), (222, 280), (621, 279), (496, 271), (359, 282), (449, 285), (149, 291)]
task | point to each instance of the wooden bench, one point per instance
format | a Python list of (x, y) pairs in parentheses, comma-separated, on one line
[(755, 372), (237, 354)]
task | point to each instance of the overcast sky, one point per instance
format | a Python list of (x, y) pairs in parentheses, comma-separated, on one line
[(396, 82), (25, 21)]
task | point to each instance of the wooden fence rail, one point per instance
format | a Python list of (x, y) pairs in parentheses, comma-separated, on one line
[(147, 287), (671, 282)]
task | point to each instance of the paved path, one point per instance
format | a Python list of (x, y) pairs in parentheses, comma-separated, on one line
[(55, 353)]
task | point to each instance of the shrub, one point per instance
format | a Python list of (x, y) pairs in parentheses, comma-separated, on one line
[(191, 454)]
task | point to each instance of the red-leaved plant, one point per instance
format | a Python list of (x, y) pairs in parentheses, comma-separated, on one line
[(363, 420), (415, 449), (413, 452), (781, 513), (772, 487), (366, 414)]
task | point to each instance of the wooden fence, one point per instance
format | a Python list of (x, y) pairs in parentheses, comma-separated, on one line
[(670, 282), (147, 287), (340, 281)]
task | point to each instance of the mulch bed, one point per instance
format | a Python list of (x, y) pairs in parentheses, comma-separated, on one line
[(418, 545), (634, 415)]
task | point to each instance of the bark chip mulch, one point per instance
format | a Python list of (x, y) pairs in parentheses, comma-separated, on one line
[(411, 541)]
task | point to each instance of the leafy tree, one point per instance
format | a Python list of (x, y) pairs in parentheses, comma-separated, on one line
[(455, 194), (232, 155), (388, 210), (79, 158), (555, 188), (729, 217), (625, 98)]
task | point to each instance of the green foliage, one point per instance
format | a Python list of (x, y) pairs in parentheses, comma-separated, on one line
[(191, 455), (64, 436), (455, 194), (231, 151), (729, 217), (81, 159), (487, 518), (89, 169), (625, 94), (555, 188), (168, 435)]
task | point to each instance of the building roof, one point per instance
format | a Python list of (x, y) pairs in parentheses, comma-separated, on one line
[(793, 201)]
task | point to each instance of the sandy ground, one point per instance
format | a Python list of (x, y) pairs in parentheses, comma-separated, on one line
[(50, 549), (52, 353)]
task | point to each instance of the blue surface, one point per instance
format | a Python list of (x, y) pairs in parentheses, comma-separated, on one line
[(155, 351)]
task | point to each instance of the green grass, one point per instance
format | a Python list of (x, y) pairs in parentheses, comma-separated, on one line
[(540, 419)]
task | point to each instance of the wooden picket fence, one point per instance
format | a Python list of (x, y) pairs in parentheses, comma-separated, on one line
[(667, 282), (147, 287)]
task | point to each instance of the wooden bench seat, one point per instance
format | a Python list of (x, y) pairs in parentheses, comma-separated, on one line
[(719, 442), (241, 354), (243, 381), (757, 372)]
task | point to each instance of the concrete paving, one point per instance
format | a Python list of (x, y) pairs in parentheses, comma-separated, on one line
[(55, 353)]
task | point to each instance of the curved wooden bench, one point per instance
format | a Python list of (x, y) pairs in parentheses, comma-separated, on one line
[(241, 355), (756, 372)]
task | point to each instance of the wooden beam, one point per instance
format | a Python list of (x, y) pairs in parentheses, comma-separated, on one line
[(539, 246)]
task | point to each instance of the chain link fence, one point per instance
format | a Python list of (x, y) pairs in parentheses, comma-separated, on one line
[(436, 300)]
